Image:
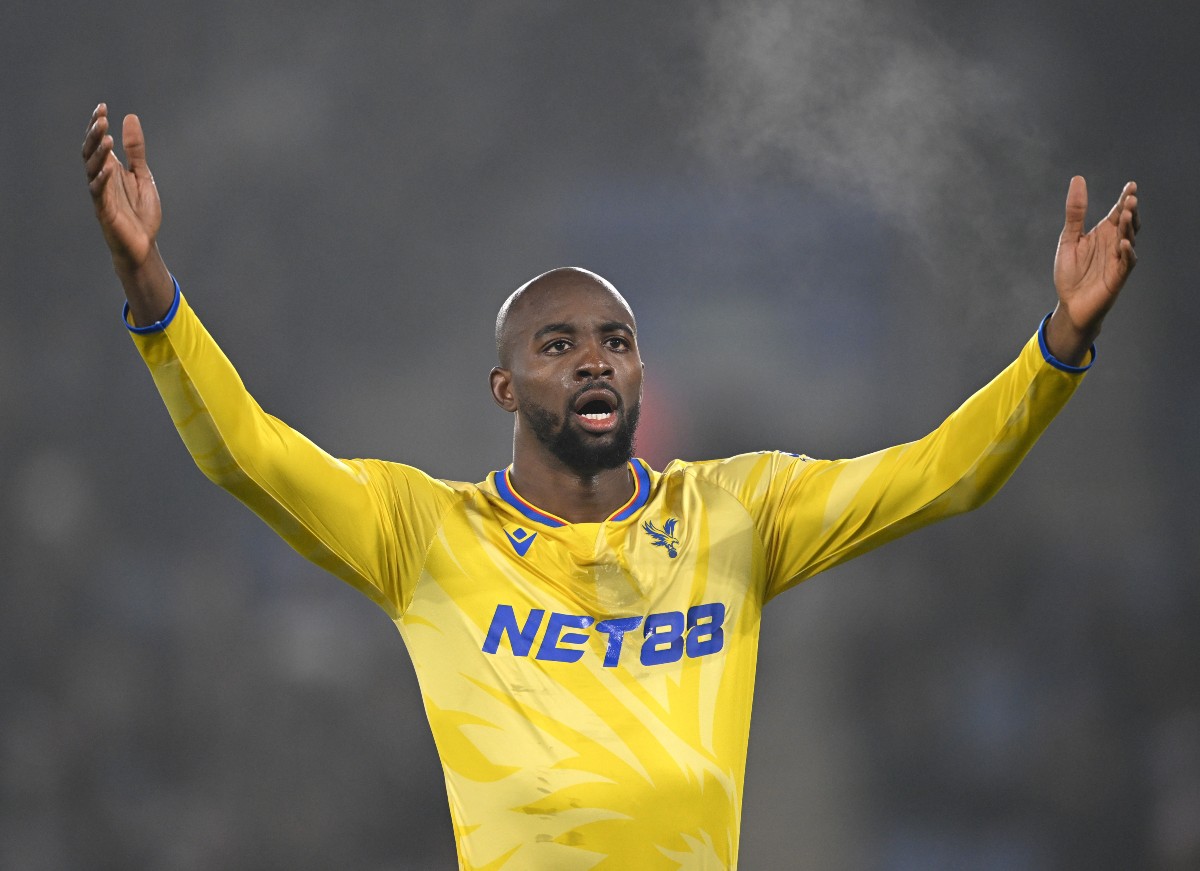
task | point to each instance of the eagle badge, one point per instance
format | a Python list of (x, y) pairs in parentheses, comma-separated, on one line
[(664, 537)]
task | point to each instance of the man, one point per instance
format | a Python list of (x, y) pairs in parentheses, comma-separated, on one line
[(585, 628)]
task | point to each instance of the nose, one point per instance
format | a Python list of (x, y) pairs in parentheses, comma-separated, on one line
[(594, 364)]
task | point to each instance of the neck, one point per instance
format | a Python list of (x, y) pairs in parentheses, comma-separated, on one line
[(575, 497)]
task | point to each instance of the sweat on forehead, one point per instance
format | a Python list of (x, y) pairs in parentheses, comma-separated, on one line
[(525, 298)]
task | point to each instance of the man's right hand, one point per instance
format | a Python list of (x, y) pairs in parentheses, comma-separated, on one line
[(130, 213)]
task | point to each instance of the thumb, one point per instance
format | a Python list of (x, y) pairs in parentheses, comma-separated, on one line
[(134, 144), (1076, 210)]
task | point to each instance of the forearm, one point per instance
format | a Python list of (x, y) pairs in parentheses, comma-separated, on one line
[(148, 286), (843, 508), (965, 461), (331, 511)]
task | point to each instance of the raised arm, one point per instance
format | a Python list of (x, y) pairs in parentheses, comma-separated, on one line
[(366, 521), (130, 213), (826, 512)]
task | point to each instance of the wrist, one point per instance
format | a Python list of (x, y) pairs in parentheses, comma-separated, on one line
[(1066, 340), (149, 288)]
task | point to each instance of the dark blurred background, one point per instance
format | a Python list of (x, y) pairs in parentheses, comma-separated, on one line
[(835, 220)]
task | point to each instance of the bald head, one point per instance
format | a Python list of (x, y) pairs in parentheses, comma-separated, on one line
[(527, 299)]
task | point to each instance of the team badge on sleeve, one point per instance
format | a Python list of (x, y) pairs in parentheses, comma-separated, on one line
[(664, 537)]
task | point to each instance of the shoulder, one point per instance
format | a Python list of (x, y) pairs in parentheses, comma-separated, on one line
[(408, 483), (748, 477), (739, 469)]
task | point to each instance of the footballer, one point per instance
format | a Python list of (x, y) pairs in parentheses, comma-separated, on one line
[(584, 627)]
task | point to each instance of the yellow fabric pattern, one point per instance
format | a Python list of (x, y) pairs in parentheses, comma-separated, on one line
[(589, 685)]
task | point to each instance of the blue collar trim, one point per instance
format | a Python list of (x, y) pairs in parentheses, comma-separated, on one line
[(641, 494)]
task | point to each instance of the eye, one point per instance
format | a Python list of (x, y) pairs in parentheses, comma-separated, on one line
[(617, 343), (558, 346)]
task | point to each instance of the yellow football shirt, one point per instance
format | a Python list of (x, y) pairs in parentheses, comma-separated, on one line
[(589, 684)]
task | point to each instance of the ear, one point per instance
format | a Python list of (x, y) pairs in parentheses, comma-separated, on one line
[(502, 393)]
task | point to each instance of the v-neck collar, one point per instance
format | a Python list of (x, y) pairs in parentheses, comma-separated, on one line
[(641, 493)]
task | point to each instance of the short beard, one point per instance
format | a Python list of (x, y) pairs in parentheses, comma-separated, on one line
[(573, 448)]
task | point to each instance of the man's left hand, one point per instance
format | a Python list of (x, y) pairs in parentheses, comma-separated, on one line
[(1089, 270)]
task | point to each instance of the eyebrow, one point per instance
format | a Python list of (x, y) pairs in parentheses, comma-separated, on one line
[(616, 327), (562, 327), (571, 329)]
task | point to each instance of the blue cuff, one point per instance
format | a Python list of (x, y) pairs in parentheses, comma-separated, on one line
[(1051, 359), (159, 325)]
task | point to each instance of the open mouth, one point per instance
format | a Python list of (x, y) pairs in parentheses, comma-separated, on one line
[(597, 410)]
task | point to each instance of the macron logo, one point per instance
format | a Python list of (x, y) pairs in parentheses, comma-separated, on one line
[(520, 539)]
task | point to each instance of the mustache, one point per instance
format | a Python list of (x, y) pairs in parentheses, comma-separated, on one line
[(618, 403)]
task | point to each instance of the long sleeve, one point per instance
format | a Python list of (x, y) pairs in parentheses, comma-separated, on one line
[(831, 511), (366, 521), (814, 514)]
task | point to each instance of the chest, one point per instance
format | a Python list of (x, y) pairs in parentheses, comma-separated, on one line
[(667, 585)]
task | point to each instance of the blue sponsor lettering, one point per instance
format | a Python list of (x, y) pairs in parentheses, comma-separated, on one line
[(550, 650), (616, 630), (667, 636), (504, 620), (664, 638), (705, 634)]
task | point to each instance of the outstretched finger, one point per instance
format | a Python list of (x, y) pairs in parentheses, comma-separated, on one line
[(95, 133), (134, 144), (99, 181), (1114, 214), (101, 111), (1127, 225), (1076, 211), (96, 161)]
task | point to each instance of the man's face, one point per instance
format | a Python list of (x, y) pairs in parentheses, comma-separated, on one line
[(575, 376)]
